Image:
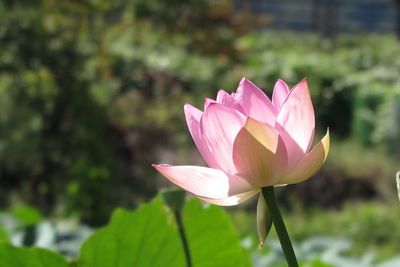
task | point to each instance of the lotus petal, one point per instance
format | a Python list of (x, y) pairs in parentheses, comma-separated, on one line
[(258, 154), (228, 100), (219, 126), (193, 116), (205, 182), (231, 201), (255, 103), (280, 93), (310, 164), (296, 116)]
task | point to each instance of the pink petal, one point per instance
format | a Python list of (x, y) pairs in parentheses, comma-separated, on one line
[(204, 182), (207, 102), (280, 93), (259, 154), (219, 127), (308, 166), (229, 100), (255, 103), (193, 116), (231, 201), (293, 150), (296, 116)]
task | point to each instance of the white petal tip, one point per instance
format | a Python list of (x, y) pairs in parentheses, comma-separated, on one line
[(156, 166), (187, 106)]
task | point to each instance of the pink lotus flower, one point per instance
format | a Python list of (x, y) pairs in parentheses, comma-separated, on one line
[(250, 142)]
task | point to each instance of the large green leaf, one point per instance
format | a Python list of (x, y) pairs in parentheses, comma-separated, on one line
[(144, 238), (149, 237), (3, 234), (212, 239), (29, 257)]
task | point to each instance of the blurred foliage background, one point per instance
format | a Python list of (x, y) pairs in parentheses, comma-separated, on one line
[(92, 93)]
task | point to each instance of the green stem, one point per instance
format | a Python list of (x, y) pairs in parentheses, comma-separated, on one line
[(178, 218), (398, 183), (269, 195)]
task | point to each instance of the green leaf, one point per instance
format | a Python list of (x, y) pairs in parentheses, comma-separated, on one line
[(315, 263), (27, 215), (3, 234), (146, 238), (29, 257), (149, 237), (213, 241)]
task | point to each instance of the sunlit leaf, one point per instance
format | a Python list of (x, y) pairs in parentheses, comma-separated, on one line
[(213, 241), (149, 237), (146, 238), (29, 257)]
